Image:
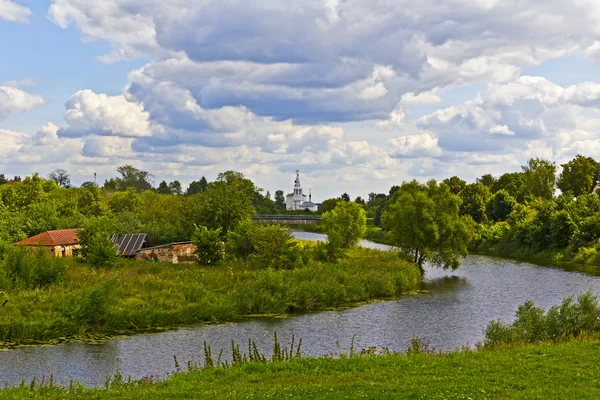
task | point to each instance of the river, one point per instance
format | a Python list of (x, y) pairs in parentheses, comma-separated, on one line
[(453, 311)]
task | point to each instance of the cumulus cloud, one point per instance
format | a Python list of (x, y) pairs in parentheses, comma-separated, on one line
[(423, 145), (10, 11), (91, 113), (14, 100)]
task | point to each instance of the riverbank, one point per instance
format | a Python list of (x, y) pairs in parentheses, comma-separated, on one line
[(136, 297), (549, 371)]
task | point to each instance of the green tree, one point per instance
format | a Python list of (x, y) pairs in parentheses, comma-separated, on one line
[(578, 175), (328, 205), (455, 184), (3, 179), (514, 184), (127, 201), (175, 187), (474, 200), (345, 225), (133, 177), (345, 197), (280, 200), (540, 177), (500, 206), (196, 187), (425, 224), (487, 180), (96, 247), (163, 188)]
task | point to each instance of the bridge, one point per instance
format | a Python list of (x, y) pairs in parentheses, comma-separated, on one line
[(286, 219)]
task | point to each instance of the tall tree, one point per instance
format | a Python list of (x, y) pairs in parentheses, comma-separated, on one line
[(487, 180), (196, 187), (540, 177), (500, 206), (579, 175), (455, 184), (474, 200), (425, 224), (345, 197), (163, 188), (280, 200), (175, 187), (514, 184), (133, 177), (3, 180), (61, 177)]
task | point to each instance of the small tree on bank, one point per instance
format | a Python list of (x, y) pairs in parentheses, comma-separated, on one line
[(345, 225), (210, 248), (425, 224)]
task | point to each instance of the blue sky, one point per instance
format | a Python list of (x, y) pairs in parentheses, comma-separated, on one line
[(358, 95)]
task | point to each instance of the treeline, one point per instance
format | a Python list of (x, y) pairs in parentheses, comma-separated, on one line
[(127, 203), (537, 212)]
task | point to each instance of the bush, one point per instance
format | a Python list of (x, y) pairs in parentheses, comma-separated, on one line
[(264, 246), (89, 306), (101, 251), (209, 245), (532, 325), (20, 267)]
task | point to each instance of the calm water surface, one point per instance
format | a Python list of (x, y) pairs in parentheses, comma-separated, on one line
[(452, 312)]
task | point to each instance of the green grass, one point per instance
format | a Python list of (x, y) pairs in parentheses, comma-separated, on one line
[(139, 296), (568, 370)]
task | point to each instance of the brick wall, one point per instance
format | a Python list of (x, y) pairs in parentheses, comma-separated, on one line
[(175, 253)]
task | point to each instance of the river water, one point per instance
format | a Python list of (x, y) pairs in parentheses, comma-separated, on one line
[(453, 311)]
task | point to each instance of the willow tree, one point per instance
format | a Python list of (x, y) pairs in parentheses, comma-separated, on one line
[(425, 224)]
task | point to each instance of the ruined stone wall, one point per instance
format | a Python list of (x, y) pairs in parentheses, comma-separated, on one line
[(175, 253)]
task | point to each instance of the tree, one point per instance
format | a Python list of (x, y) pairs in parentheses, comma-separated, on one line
[(540, 177), (127, 201), (487, 180), (345, 197), (61, 177), (132, 177), (345, 225), (3, 180), (474, 200), (360, 200), (455, 184), (579, 175), (514, 184), (175, 187), (163, 188), (329, 205), (196, 187), (425, 224), (96, 247), (500, 206), (280, 200)]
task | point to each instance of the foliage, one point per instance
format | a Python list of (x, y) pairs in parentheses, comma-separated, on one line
[(579, 175), (96, 247), (196, 187), (345, 225), (210, 248), (533, 325), (474, 201), (280, 200), (61, 177), (487, 180), (540, 177), (131, 177), (25, 268), (455, 184), (425, 223), (328, 205), (500, 206)]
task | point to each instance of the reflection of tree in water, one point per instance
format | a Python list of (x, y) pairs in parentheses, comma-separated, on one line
[(445, 282)]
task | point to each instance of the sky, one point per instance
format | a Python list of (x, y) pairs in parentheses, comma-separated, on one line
[(358, 95)]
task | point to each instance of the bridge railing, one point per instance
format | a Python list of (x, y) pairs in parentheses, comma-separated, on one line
[(287, 217)]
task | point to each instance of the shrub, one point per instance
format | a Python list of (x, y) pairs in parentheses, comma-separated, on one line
[(209, 245), (23, 268), (532, 325), (89, 306), (101, 251)]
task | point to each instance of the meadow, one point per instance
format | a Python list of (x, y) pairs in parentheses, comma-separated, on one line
[(86, 302)]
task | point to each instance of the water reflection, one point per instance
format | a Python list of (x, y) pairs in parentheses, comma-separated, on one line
[(452, 311)]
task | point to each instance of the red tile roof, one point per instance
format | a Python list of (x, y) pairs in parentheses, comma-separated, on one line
[(62, 237)]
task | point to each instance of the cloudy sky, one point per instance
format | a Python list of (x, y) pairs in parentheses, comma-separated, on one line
[(356, 94)]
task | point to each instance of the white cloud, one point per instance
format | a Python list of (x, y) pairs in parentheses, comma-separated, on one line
[(423, 145), (10, 11), (91, 113), (13, 100)]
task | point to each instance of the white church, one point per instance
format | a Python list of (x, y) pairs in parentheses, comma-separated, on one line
[(297, 200)]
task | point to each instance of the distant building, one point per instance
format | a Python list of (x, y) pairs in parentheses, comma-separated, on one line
[(60, 242), (596, 188), (297, 200), (176, 253)]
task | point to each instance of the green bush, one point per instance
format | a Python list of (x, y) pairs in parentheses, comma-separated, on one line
[(89, 306), (532, 325), (22, 267), (101, 251), (210, 248), (345, 225)]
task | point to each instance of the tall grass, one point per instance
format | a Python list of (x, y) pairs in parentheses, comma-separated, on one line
[(138, 296)]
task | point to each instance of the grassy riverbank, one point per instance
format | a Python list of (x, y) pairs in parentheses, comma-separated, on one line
[(138, 296), (551, 371)]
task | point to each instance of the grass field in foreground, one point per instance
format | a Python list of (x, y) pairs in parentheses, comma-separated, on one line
[(563, 371)]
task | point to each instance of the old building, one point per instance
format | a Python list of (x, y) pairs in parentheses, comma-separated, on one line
[(61, 242), (176, 253)]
